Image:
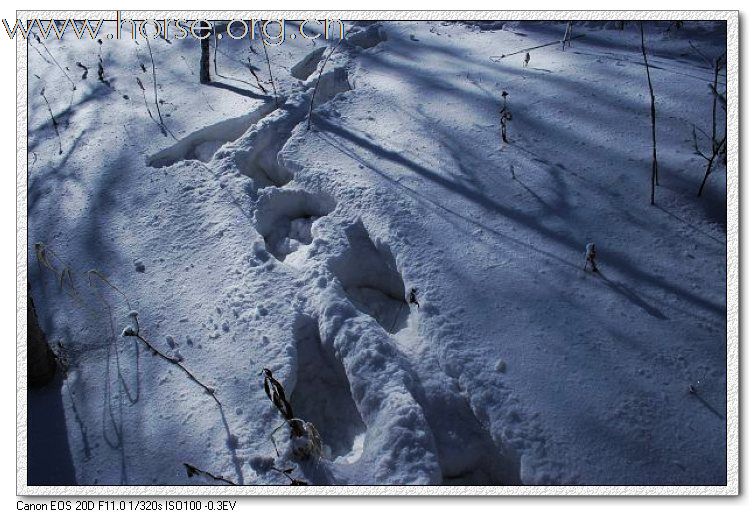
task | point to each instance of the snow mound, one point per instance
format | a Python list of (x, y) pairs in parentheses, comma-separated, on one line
[(398, 444)]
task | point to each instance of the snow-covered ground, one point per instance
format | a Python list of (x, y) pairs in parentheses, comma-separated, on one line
[(246, 241)]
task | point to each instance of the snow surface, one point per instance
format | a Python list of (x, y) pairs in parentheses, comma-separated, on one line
[(246, 241)]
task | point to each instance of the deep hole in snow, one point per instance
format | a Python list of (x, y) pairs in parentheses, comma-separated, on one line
[(202, 144), (323, 396), (257, 153), (331, 84), (467, 453), (261, 161), (371, 280), (368, 37), (284, 218), (307, 66)]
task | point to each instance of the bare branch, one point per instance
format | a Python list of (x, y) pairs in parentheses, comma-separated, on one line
[(270, 71), (654, 175), (707, 59), (192, 470), (133, 331), (497, 59), (317, 83)]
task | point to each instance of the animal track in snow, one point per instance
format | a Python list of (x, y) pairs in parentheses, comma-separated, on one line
[(256, 152), (323, 396), (371, 280), (368, 37), (284, 218), (331, 84), (202, 144), (467, 454), (307, 66), (256, 137), (466, 451)]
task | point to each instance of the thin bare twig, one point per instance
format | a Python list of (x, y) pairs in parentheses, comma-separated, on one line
[(567, 37), (95, 274), (54, 122), (287, 473), (254, 74), (317, 83), (716, 145), (497, 59), (54, 60), (270, 71), (154, 83), (192, 470), (130, 331), (146, 105), (654, 176)]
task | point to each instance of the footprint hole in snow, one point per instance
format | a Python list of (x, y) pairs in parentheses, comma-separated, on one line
[(322, 395), (308, 65), (204, 143), (371, 280), (284, 218), (368, 37)]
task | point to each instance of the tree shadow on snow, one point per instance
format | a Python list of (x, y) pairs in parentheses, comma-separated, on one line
[(631, 296), (239, 91), (49, 455)]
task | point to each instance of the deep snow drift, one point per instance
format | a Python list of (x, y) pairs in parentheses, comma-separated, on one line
[(245, 241)]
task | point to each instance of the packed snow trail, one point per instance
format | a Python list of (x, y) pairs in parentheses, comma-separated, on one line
[(254, 243), (366, 361)]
